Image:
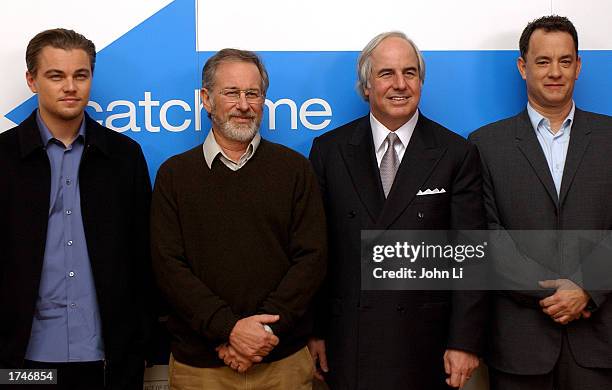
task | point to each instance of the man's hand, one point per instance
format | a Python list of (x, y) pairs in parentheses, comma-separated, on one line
[(233, 359), (317, 351), (567, 304), (250, 339), (459, 366)]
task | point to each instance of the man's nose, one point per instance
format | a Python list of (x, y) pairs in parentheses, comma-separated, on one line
[(242, 103), (69, 84), (399, 82)]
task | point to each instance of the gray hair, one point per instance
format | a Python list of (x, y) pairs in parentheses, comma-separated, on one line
[(364, 63), (233, 55)]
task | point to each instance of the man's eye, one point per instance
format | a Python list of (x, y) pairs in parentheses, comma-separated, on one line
[(232, 94)]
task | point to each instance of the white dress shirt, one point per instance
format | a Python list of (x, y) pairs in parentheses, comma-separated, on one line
[(380, 133)]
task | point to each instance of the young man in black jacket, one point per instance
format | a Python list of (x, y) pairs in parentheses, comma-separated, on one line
[(74, 266)]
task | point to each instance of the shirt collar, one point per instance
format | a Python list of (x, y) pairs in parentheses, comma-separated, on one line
[(45, 134), (536, 118), (404, 133), (211, 148)]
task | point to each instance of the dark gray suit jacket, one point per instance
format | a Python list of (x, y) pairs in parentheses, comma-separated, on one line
[(394, 339), (520, 194)]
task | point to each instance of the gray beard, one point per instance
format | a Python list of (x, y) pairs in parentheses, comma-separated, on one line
[(244, 133), (239, 133)]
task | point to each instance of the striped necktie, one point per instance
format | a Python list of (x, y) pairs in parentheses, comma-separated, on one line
[(389, 163)]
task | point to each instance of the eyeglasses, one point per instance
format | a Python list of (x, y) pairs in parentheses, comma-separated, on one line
[(232, 95)]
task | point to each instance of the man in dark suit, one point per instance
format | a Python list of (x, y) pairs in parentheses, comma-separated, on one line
[(74, 266), (548, 168), (374, 174)]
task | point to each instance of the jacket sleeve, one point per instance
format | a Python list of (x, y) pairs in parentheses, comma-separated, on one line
[(141, 204), (321, 303), (468, 310), (192, 300)]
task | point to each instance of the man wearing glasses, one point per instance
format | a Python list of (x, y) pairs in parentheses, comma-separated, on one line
[(238, 243)]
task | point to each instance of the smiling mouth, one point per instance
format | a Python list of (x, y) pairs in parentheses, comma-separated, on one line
[(399, 98), (243, 118)]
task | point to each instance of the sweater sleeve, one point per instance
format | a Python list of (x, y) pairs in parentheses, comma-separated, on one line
[(307, 253), (192, 300)]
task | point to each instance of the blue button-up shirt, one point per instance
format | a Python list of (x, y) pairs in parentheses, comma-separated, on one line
[(554, 146), (66, 325)]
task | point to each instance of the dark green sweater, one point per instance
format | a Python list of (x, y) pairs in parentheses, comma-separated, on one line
[(230, 244)]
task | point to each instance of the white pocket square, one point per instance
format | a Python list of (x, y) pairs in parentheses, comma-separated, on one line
[(431, 192)]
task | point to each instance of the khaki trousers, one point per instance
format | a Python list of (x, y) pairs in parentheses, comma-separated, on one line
[(295, 372)]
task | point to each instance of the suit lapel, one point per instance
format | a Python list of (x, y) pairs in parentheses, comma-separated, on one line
[(360, 160), (420, 158), (527, 142), (580, 137)]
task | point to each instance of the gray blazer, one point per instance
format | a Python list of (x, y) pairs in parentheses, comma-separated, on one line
[(519, 193)]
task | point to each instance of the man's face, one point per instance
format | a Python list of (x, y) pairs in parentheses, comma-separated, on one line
[(234, 120), (62, 82), (550, 69), (394, 87)]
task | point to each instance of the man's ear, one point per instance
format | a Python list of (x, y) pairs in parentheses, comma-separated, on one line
[(31, 82), (520, 64), (578, 66), (206, 99)]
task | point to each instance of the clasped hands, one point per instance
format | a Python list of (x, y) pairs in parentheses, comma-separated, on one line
[(567, 304), (248, 343)]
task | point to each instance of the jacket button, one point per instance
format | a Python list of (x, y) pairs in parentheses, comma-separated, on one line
[(400, 309), (352, 214)]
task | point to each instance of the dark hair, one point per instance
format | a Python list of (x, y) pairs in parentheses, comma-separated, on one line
[(232, 55), (59, 38), (548, 24)]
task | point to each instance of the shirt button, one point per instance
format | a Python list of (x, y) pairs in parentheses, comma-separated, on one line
[(68, 212), (68, 181), (71, 274), (73, 305), (69, 243)]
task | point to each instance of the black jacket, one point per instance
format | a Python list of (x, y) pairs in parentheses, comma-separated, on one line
[(394, 339), (115, 197)]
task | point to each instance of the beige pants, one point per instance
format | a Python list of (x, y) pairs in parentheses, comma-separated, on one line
[(295, 372)]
